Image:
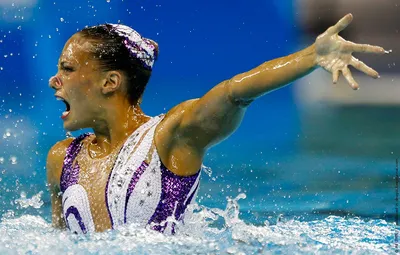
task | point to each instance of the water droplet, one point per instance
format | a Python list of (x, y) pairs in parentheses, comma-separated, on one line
[(7, 133), (207, 170), (13, 160), (62, 19), (1, 162), (8, 215), (35, 201)]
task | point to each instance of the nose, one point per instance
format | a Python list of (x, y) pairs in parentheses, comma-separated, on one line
[(55, 82)]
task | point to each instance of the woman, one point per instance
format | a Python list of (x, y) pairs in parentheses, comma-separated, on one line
[(141, 169)]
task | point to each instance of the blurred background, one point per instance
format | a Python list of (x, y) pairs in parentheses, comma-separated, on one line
[(307, 150)]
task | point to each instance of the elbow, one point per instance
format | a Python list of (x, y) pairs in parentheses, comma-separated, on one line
[(235, 94)]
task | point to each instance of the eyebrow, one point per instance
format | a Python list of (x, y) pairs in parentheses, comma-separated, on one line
[(62, 63)]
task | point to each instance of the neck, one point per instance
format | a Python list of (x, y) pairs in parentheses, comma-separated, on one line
[(114, 127)]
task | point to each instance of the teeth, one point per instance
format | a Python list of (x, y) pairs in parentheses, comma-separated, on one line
[(64, 114), (59, 99)]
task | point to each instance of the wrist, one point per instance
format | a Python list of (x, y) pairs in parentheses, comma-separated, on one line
[(312, 53)]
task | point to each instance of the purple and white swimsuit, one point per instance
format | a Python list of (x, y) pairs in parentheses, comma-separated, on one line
[(136, 192)]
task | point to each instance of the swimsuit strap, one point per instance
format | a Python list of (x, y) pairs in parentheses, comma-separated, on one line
[(70, 171)]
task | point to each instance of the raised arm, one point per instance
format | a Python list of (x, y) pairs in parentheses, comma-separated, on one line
[(212, 118), (329, 51)]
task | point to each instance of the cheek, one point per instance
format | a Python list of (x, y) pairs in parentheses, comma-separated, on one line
[(80, 82), (87, 94), (81, 86), (78, 91)]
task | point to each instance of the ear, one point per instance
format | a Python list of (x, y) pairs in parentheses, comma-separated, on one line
[(113, 81)]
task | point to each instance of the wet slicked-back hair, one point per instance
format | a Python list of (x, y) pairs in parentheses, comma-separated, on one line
[(111, 53)]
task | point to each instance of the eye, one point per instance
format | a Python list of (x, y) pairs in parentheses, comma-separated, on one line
[(67, 68)]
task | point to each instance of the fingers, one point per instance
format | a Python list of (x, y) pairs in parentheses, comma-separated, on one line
[(347, 74), (335, 76), (342, 24), (365, 48), (361, 66)]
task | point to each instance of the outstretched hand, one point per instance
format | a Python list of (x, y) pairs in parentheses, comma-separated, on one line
[(334, 53)]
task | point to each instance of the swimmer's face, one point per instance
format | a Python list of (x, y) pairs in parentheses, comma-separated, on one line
[(78, 83)]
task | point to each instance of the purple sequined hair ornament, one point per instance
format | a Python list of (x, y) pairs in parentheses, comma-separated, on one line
[(140, 48)]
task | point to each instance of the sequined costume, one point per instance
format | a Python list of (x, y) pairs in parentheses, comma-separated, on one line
[(136, 192)]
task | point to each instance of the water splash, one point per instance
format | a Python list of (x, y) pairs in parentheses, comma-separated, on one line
[(206, 170), (35, 201), (206, 231)]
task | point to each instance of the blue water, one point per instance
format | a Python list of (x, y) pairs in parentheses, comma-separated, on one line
[(289, 200), (241, 210)]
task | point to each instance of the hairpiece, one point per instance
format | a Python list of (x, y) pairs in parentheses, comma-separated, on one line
[(139, 47)]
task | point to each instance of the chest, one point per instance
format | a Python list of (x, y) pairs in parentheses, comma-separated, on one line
[(94, 173), (93, 176)]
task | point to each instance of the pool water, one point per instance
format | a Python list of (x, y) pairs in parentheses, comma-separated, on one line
[(244, 210), (206, 231)]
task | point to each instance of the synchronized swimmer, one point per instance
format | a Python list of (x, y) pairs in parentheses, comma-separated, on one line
[(140, 169)]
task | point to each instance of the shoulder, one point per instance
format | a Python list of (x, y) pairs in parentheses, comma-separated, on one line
[(172, 120), (55, 159), (178, 112)]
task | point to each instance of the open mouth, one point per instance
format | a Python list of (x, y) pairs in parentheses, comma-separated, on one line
[(68, 107)]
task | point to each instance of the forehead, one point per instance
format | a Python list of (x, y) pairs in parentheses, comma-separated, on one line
[(77, 49)]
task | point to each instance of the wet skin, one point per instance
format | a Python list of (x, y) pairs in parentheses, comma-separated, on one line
[(98, 100)]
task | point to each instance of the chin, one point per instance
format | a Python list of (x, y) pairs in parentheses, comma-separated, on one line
[(72, 125), (71, 128)]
